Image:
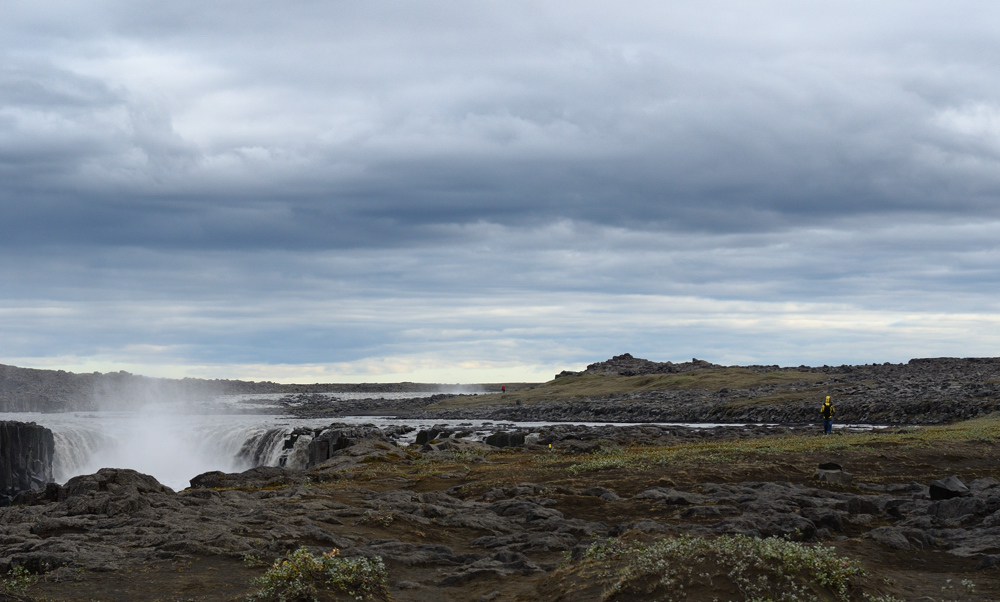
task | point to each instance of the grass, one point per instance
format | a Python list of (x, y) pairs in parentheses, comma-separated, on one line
[(584, 386), (509, 465), (643, 458), (985, 429)]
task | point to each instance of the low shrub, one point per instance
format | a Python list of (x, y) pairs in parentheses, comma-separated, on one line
[(17, 582), (303, 574), (760, 569)]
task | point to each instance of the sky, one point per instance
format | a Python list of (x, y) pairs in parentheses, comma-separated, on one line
[(463, 192)]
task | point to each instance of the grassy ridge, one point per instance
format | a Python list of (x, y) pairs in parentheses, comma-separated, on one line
[(583, 386)]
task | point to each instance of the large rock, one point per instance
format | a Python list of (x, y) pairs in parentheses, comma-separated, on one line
[(257, 477), (426, 436), (947, 488), (325, 445), (506, 439), (26, 451), (111, 492), (831, 472)]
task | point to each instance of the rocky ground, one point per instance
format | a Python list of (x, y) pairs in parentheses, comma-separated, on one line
[(917, 509)]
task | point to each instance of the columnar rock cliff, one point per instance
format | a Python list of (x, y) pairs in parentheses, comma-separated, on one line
[(26, 451)]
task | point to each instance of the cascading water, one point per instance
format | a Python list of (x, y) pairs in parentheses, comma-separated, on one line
[(175, 442), (274, 447), (173, 448), (74, 450)]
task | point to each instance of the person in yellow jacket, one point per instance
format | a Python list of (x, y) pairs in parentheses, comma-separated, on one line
[(826, 411)]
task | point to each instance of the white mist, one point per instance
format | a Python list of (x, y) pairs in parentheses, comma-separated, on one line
[(171, 445)]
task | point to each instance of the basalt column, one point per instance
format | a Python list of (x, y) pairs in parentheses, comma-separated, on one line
[(26, 451)]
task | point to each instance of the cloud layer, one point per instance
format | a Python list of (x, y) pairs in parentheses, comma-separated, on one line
[(495, 191)]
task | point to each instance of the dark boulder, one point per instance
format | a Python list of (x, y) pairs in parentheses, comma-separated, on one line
[(111, 492), (951, 487), (506, 439), (325, 445), (426, 436), (958, 508)]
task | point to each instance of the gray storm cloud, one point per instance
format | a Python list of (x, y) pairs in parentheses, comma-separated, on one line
[(241, 181)]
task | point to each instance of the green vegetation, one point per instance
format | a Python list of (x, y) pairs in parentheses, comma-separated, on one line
[(758, 569), (17, 582), (985, 429), (642, 458), (569, 388), (300, 576)]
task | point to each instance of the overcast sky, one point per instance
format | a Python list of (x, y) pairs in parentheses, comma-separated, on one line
[(321, 191)]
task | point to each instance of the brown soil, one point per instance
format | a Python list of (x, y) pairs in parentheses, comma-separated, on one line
[(928, 574)]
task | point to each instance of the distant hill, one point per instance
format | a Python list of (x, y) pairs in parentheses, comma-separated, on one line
[(630, 389), (33, 390)]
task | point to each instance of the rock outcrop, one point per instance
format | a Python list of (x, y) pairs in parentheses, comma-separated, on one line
[(331, 440), (627, 365), (26, 451)]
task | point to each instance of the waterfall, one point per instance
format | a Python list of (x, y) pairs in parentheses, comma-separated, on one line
[(176, 441), (172, 448), (272, 447), (74, 450)]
